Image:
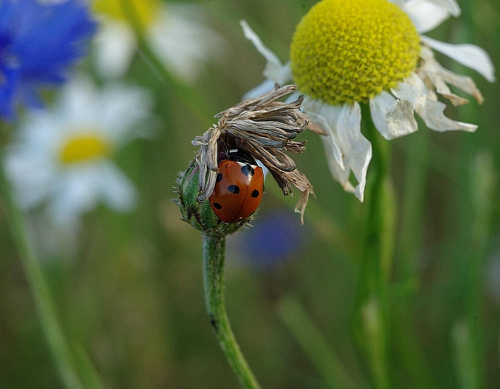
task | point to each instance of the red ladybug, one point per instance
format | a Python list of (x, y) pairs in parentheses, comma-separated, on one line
[(238, 189)]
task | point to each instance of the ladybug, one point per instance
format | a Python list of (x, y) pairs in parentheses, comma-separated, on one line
[(239, 187)]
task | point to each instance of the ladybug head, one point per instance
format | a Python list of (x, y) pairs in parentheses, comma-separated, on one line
[(233, 153)]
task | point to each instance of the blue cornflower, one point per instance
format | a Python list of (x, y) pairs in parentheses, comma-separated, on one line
[(38, 42), (274, 238)]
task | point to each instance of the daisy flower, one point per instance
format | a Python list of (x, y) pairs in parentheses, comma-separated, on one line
[(178, 33), (38, 42), (62, 157), (347, 52)]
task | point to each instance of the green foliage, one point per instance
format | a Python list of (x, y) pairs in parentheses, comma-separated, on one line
[(129, 293)]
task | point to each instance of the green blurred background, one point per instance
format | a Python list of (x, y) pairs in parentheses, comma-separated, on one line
[(132, 297)]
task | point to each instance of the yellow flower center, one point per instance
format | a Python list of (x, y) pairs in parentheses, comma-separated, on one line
[(83, 148), (146, 9), (350, 50)]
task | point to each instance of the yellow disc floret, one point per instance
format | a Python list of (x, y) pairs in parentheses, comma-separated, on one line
[(346, 51), (145, 9), (84, 147)]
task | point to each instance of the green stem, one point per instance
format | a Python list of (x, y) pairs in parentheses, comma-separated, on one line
[(407, 347), (475, 208), (417, 150), (376, 259), (468, 331), (214, 247), (45, 308)]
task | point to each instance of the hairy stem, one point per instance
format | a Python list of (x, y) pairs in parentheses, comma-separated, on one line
[(214, 247)]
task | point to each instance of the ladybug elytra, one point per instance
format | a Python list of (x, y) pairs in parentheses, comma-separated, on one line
[(238, 189)]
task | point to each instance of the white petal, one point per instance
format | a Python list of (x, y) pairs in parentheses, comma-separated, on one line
[(426, 14), (116, 111), (357, 149), (70, 220), (116, 189), (260, 89), (115, 44), (31, 175), (33, 160), (254, 38), (267, 86), (392, 117), (40, 131), (274, 70), (399, 3), (425, 104), (265, 170), (315, 110), (434, 118), (468, 55), (293, 96), (74, 193), (120, 110), (182, 38), (440, 77), (449, 5), (343, 127), (75, 104), (338, 173), (53, 240)]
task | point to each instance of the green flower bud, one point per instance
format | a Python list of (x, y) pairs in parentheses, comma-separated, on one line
[(200, 214)]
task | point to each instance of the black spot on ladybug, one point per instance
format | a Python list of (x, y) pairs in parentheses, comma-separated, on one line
[(219, 177), (217, 206), (247, 170), (234, 189), (255, 193)]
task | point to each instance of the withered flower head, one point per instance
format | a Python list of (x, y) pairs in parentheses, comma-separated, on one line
[(264, 128)]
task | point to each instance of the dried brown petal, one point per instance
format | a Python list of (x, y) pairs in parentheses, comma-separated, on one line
[(300, 181), (262, 127), (207, 161)]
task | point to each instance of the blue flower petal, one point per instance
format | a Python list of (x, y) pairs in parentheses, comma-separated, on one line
[(38, 43), (273, 239)]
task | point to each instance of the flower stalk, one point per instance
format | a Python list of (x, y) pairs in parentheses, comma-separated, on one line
[(214, 247), (376, 260), (262, 127), (50, 324)]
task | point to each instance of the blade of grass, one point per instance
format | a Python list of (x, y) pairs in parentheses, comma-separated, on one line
[(316, 346)]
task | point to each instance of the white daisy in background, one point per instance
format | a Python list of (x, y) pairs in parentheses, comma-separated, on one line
[(63, 157), (346, 52), (178, 33)]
